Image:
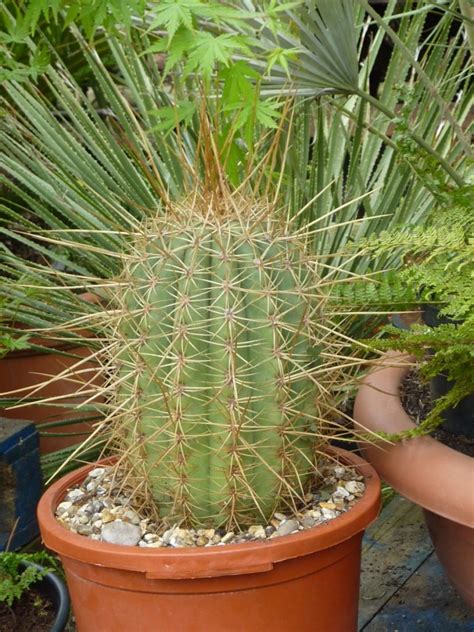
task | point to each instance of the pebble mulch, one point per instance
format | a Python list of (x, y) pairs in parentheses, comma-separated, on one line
[(98, 509)]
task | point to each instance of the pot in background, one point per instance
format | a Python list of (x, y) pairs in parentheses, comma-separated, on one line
[(307, 581), (22, 372), (53, 587), (434, 476)]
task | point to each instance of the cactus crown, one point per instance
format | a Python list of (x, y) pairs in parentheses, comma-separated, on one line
[(222, 357)]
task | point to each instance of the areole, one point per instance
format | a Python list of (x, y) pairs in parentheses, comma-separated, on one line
[(303, 582)]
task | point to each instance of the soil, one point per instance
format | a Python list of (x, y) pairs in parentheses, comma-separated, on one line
[(416, 400), (32, 612)]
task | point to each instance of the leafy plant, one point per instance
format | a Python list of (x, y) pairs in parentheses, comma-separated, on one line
[(15, 579), (438, 269)]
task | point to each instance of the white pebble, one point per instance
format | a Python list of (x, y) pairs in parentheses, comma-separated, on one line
[(63, 507), (74, 496), (123, 533), (287, 527)]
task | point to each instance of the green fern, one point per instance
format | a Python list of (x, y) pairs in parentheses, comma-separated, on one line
[(15, 579), (437, 268)]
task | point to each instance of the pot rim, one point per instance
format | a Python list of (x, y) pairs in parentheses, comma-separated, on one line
[(194, 562), (422, 469)]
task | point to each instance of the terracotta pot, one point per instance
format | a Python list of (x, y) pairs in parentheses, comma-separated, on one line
[(307, 581), (434, 476), (22, 371)]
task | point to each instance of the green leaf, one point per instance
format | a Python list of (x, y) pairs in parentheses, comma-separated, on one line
[(237, 82), (171, 116), (173, 14), (209, 50), (8, 343)]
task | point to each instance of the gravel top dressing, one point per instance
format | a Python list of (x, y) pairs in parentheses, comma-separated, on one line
[(100, 509)]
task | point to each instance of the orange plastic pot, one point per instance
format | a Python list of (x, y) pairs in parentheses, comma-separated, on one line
[(303, 582), (434, 476), (21, 372)]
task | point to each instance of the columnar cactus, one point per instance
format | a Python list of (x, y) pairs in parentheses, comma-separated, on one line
[(219, 339)]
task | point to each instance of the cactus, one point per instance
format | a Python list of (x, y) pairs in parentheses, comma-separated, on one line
[(219, 339)]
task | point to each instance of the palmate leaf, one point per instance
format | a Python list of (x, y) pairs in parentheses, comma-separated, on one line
[(172, 14), (327, 35), (323, 34), (208, 50)]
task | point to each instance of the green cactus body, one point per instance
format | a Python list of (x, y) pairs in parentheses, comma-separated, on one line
[(216, 356)]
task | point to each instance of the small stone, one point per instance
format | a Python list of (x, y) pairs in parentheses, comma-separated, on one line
[(167, 535), (269, 530), (97, 472), (84, 529), (155, 545), (91, 487), (107, 516), (257, 531), (97, 524), (341, 491), (150, 537), (96, 506), (63, 507), (287, 527), (275, 523), (201, 540), (209, 533), (119, 532), (329, 514), (355, 487), (228, 537), (280, 516), (83, 519), (308, 522), (339, 503), (327, 505), (75, 495), (131, 516), (181, 537), (316, 514), (339, 471)]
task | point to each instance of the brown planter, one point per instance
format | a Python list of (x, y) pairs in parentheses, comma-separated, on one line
[(22, 371), (307, 581), (434, 476)]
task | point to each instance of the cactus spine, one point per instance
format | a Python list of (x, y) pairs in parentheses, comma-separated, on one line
[(218, 348)]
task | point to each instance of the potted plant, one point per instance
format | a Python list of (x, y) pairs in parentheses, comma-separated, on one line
[(163, 197), (223, 367), (223, 363), (439, 267), (32, 594)]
